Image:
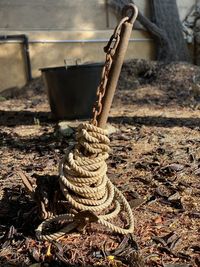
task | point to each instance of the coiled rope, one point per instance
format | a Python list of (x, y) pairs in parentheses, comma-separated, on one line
[(85, 185)]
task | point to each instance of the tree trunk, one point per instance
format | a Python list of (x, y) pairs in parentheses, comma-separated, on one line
[(165, 15), (197, 33), (165, 27), (197, 42)]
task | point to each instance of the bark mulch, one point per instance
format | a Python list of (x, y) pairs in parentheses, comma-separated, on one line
[(155, 162)]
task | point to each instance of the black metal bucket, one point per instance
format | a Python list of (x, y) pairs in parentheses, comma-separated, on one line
[(72, 90)]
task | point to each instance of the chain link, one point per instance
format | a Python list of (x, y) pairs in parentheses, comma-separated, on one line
[(110, 50)]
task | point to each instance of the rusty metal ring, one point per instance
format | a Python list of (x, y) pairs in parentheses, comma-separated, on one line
[(134, 12)]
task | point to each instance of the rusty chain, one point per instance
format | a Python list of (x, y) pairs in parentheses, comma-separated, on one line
[(110, 50)]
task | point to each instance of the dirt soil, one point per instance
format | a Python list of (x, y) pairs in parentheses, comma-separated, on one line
[(155, 162)]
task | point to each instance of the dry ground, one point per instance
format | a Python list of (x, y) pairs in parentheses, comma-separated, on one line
[(155, 161)]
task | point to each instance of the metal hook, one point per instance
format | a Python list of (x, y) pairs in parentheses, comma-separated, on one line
[(134, 12)]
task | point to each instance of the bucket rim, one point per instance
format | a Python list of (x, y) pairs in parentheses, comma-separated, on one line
[(87, 65)]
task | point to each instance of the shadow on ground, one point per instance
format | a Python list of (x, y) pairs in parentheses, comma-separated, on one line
[(16, 118), (19, 219), (157, 121)]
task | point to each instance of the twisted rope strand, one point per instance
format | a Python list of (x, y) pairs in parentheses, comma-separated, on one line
[(85, 185)]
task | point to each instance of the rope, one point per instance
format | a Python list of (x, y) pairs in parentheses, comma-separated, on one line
[(85, 185)]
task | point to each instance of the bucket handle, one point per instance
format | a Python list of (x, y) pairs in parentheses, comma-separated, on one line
[(72, 62)]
